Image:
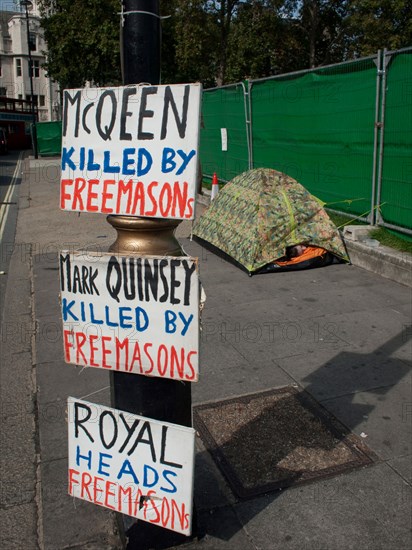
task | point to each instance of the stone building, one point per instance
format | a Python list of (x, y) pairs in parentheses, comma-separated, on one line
[(14, 60)]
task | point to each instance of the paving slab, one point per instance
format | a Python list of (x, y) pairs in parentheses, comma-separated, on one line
[(382, 415), (240, 380), (211, 489), (85, 524), (384, 333), (383, 261), (403, 466), (18, 441), (18, 476), (221, 530), (49, 340), (340, 514), (55, 378), (325, 374), (19, 528), (269, 338)]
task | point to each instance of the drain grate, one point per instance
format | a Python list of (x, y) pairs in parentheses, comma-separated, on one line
[(275, 439)]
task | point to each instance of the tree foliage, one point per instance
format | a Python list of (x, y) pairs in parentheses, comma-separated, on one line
[(189, 42), (321, 30), (217, 42), (83, 41), (251, 48), (376, 24)]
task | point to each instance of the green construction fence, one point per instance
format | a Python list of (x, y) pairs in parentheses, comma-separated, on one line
[(49, 138), (343, 131), (318, 127), (394, 184), (224, 126)]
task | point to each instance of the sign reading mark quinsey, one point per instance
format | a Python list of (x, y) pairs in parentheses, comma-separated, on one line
[(132, 464), (131, 314), (131, 150)]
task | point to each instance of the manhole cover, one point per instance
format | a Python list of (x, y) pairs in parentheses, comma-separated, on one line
[(275, 439)]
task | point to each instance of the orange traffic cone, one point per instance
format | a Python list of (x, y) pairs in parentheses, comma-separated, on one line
[(215, 187)]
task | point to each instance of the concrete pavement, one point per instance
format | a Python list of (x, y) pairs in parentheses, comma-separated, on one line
[(341, 332)]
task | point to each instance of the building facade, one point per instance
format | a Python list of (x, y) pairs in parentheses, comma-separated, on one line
[(14, 62)]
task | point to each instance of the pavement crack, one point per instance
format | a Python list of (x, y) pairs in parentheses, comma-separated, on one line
[(34, 328)]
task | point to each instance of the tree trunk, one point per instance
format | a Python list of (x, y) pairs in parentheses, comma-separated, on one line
[(313, 29)]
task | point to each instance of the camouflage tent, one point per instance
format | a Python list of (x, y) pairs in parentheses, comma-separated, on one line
[(260, 213)]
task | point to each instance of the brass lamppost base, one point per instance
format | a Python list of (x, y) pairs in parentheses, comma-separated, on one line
[(145, 236)]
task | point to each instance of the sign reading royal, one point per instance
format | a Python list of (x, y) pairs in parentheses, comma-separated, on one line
[(132, 464), (131, 314), (131, 150)]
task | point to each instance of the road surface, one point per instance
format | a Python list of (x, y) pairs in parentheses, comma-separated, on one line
[(10, 178)]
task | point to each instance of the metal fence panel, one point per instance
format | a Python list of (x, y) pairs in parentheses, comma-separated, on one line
[(224, 111), (395, 185), (343, 131), (49, 138), (318, 127)]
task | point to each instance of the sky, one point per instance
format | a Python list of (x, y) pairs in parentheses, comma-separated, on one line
[(8, 5)]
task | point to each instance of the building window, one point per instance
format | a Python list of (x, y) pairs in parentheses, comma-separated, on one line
[(32, 41), (42, 101), (35, 69), (3, 91), (0, 68), (35, 99), (18, 67)]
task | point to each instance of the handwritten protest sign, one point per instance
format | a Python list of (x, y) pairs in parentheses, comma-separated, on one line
[(131, 150), (132, 464), (131, 314)]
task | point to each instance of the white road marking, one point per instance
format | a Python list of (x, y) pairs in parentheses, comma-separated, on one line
[(4, 208)]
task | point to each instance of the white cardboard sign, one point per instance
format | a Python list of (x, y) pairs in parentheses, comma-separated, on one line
[(131, 464), (223, 135), (131, 314), (131, 150)]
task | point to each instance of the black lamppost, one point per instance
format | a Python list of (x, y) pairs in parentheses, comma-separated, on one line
[(157, 398), (27, 4)]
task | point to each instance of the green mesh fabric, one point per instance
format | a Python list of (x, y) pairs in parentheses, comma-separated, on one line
[(49, 138)]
